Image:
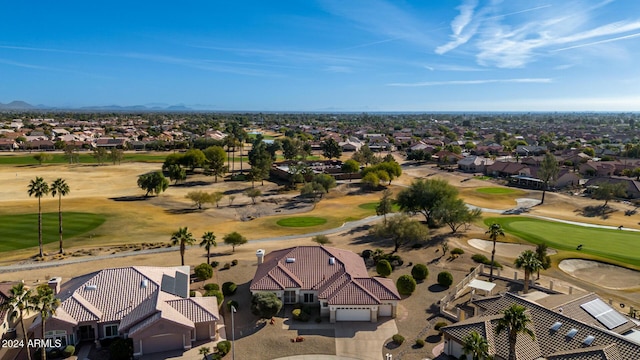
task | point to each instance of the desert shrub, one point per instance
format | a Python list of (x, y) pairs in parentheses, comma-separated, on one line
[(300, 315), (219, 295), (233, 303), (439, 325), (479, 258), (366, 254), (445, 279), (394, 259), (495, 264), (234, 262), (397, 339), (227, 266), (224, 347), (68, 351), (383, 268), (121, 349), (419, 343), (229, 288), (457, 251), (265, 304), (419, 272), (212, 287), (203, 271), (406, 285), (192, 293), (214, 264)]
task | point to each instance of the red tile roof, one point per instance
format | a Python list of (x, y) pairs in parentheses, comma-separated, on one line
[(345, 282)]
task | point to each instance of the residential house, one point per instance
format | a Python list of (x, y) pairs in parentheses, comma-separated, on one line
[(447, 157), (150, 305), (597, 168), (110, 143), (335, 279), (351, 144), (474, 164), (583, 327), (526, 150), (8, 144), (632, 186)]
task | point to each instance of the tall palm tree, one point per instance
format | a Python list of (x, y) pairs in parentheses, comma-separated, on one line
[(183, 238), (541, 253), (208, 241), (60, 188), (515, 322), (494, 231), (476, 345), (46, 304), (18, 305), (528, 261), (39, 188)]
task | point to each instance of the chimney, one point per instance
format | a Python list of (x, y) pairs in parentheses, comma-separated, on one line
[(54, 284), (260, 256)]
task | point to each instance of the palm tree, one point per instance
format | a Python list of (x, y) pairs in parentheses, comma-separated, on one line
[(476, 345), (494, 231), (39, 188), (61, 188), (528, 260), (515, 322), (183, 238), (46, 304), (541, 253), (18, 304), (208, 241)]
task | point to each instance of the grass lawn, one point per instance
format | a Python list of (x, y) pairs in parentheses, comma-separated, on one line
[(21, 231), (301, 221), (497, 191), (372, 206), (616, 245), (83, 158)]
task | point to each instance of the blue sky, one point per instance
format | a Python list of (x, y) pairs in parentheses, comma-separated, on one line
[(325, 55)]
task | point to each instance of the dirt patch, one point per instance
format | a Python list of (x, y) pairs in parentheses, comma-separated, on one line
[(599, 273), (504, 249)]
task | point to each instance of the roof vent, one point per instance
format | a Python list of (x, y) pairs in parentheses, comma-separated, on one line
[(556, 326), (290, 260), (588, 340), (572, 333), (144, 283), (332, 261), (91, 287)]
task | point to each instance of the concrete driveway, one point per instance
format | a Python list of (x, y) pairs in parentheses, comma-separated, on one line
[(354, 340)]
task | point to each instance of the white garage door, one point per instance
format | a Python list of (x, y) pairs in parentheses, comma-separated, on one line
[(353, 315), (160, 343), (385, 310)]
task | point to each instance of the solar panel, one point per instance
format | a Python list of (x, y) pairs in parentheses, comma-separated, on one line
[(168, 284), (604, 313), (181, 285)]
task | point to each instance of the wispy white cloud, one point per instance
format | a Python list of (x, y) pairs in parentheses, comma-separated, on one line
[(201, 64), (625, 37), (473, 82), (24, 65), (449, 67), (458, 26)]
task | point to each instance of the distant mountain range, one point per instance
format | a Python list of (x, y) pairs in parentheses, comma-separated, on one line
[(24, 106)]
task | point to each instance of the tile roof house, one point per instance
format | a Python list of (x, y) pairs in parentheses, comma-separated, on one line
[(5, 321), (336, 279), (563, 331), (150, 305)]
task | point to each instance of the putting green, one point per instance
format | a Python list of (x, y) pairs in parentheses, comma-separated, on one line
[(301, 221), (21, 231), (497, 191), (617, 245)]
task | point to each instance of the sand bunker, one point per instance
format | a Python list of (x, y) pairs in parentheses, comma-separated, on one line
[(601, 274), (504, 249)]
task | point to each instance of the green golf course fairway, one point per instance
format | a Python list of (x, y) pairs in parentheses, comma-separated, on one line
[(21, 231), (498, 191), (374, 205), (301, 221), (617, 245)]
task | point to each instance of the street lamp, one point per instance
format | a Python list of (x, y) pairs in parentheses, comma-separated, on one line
[(233, 334)]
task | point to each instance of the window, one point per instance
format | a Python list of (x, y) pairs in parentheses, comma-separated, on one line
[(308, 298), (111, 330)]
